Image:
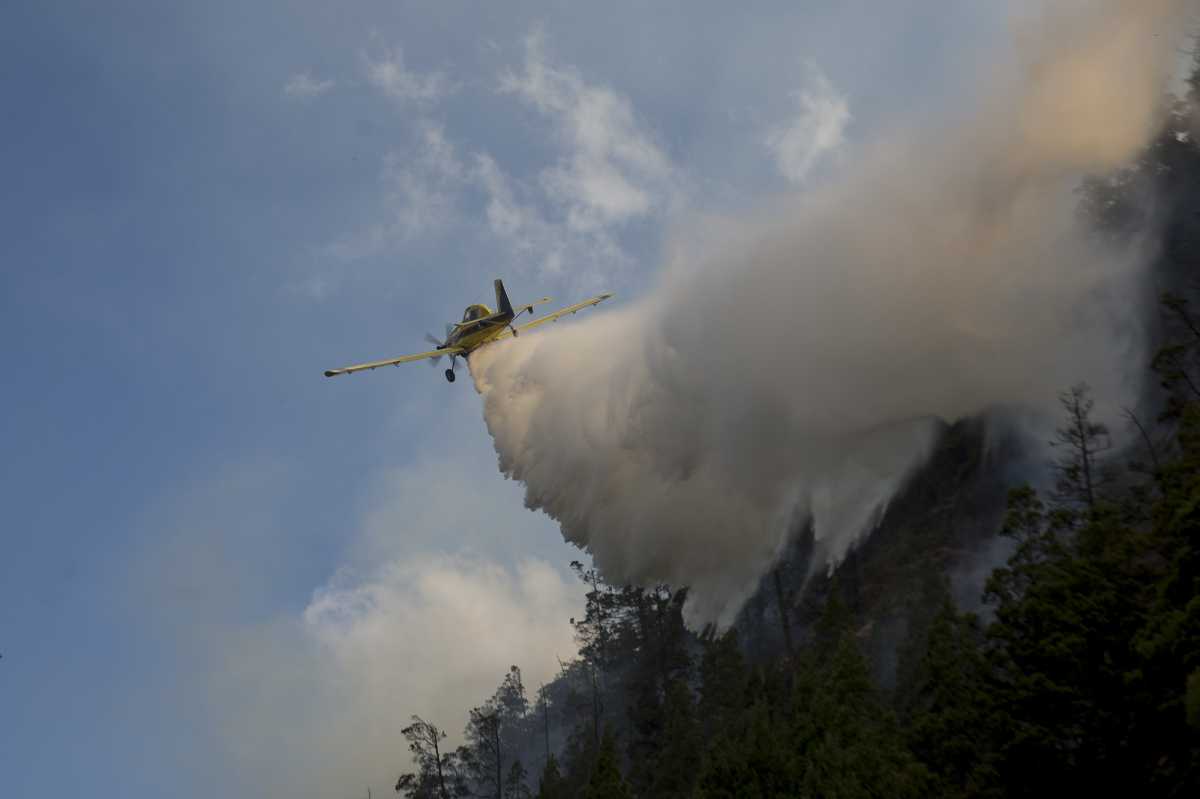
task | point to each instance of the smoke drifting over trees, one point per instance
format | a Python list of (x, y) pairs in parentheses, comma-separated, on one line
[(796, 364)]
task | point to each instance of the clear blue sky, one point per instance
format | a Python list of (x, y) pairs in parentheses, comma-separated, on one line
[(207, 204)]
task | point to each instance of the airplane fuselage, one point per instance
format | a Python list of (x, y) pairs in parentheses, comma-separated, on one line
[(479, 326)]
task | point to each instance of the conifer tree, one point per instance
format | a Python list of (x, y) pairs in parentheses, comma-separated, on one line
[(673, 773), (606, 781), (552, 785), (950, 709), (723, 683), (514, 782), (852, 745)]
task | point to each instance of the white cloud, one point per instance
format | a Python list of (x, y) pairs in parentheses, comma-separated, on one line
[(447, 629), (563, 222), (585, 257), (816, 130), (308, 697), (329, 692), (389, 75), (303, 86), (612, 169), (422, 188)]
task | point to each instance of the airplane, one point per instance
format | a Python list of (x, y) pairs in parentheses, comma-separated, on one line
[(480, 325)]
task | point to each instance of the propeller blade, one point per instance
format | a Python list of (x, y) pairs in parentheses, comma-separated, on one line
[(432, 339)]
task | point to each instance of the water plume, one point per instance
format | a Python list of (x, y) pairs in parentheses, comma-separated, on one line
[(798, 361)]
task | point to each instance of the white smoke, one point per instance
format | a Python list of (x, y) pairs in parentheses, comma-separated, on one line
[(800, 361)]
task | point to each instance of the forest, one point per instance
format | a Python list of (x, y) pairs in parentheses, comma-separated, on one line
[(1077, 672)]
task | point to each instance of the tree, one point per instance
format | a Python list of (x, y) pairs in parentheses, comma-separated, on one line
[(437, 775), (1082, 441), (851, 743), (657, 659), (1067, 605), (595, 631), (950, 710), (493, 730), (675, 767), (484, 752), (606, 781), (514, 783), (595, 634), (755, 756), (723, 683), (1167, 675), (510, 697), (552, 784)]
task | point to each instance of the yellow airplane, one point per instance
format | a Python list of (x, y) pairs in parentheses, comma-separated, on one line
[(480, 325)]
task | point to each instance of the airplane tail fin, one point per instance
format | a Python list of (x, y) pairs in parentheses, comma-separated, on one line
[(502, 303)]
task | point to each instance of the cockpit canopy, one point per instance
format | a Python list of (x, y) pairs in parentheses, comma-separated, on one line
[(474, 312)]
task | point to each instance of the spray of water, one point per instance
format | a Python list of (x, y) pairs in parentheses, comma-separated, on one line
[(798, 361)]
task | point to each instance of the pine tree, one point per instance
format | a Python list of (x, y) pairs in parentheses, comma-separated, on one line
[(1068, 604), (606, 781), (852, 745), (754, 757), (673, 774), (514, 783), (1168, 645), (723, 683), (950, 710), (1082, 442), (493, 733), (552, 785)]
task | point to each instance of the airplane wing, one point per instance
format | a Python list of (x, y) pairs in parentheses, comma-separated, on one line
[(362, 367), (553, 317)]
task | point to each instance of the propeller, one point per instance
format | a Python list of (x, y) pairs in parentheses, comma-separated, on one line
[(432, 339)]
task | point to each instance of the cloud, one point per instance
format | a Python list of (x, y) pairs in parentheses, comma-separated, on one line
[(422, 189), (612, 169), (816, 131), (303, 86), (306, 694), (562, 223), (389, 75), (584, 258), (314, 705)]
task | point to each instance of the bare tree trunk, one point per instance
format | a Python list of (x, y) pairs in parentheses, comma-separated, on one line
[(546, 720), (595, 710), (784, 620), (437, 756), (499, 762)]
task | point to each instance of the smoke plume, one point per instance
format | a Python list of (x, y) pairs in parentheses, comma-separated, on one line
[(798, 362)]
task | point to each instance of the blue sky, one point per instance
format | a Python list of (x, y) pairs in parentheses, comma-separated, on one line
[(207, 205)]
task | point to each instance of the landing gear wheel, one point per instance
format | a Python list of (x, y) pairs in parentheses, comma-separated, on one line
[(450, 375)]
